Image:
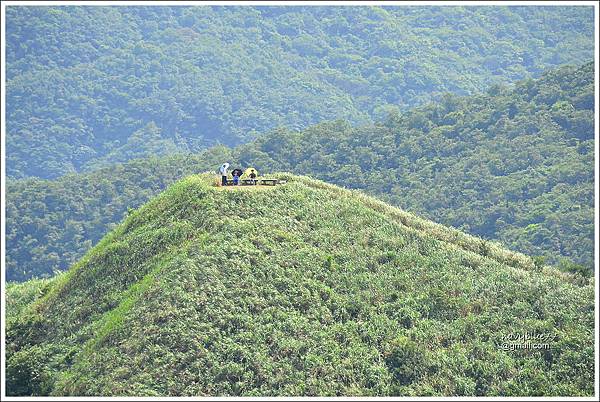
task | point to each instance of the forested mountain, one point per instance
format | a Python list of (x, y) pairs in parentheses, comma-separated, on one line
[(297, 290), (88, 86), (515, 165)]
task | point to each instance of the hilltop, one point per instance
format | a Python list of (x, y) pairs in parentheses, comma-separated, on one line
[(515, 164), (301, 289)]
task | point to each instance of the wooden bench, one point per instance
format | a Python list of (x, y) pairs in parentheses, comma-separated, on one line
[(245, 182), (268, 182), (252, 182)]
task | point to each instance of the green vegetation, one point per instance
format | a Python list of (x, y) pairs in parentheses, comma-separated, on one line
[(19, 295), (301, 289), (51, 224), (147, 284), (90, 86), (514, 165)]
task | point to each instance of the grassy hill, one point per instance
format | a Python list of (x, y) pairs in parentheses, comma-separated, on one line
[(301, 289), (515, 164)]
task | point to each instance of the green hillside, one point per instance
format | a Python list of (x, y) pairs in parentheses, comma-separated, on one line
[(515, 164), (90, 86), (300, 289)]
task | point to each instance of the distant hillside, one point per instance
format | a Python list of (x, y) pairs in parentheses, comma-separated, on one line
[(515, 165), (90, 86), (301, 289)]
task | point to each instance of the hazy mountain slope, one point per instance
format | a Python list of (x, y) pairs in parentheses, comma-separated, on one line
[(89, 86), (515, 165), (302, 289)]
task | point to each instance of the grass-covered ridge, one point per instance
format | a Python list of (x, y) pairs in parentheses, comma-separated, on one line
[(300, 289)]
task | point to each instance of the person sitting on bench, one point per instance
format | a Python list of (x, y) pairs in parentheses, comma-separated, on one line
[(236, 173), (252, 175)]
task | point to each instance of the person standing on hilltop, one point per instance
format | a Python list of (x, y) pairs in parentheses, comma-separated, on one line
[(223, 171)]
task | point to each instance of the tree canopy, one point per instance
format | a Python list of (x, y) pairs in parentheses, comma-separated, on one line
[(89, 86)]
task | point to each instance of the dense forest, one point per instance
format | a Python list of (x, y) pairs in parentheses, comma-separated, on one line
[(305, 289), (514, 165), (89, 86)]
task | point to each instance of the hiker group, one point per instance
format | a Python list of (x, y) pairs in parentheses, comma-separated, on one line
[(250, 174)]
